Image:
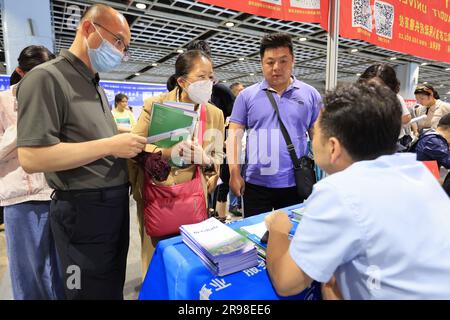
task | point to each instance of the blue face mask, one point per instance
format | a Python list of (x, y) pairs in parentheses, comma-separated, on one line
[(106, 57)]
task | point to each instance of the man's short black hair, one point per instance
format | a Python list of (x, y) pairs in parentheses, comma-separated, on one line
[(365, 118), (444, 123), (276, 40)]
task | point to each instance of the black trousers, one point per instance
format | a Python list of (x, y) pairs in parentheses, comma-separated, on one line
[(91, 232), (258, 199), (224, 188)]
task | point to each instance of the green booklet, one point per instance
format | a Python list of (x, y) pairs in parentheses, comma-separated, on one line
[(170, 124)]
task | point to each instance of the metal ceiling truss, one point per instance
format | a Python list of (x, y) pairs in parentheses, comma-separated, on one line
[(166, 26)]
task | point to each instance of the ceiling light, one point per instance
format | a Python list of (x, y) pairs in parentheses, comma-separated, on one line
[(303, 39), (426, 82), (224, 81), (424, 64), (358, 74), (448, 92), (180, 51), (393, 58), (441, 86), (354, 50), (137, 74), (154, 64), (241, 59), (141, 6), (448, 69), (229, 24), (251, 74)]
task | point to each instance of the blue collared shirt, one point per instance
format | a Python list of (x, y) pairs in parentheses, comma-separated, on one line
[(268, 160), (382, 227)]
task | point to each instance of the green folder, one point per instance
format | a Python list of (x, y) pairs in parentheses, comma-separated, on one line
[(170, 125)]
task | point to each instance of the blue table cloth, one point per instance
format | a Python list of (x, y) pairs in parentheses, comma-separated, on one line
[(177, 273)]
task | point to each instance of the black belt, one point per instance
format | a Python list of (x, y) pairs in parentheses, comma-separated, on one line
[(101, 194)]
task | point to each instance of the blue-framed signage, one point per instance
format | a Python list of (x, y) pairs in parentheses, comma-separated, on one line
[(136, 92)]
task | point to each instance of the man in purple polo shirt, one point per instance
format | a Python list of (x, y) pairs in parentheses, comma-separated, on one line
[(269, 174)]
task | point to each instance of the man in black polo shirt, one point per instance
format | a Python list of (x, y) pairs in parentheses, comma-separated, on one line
[(66, 129)]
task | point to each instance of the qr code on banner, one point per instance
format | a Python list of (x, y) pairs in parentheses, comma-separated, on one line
[(361, 14), (384, 19), (278, 2), (306, 4)]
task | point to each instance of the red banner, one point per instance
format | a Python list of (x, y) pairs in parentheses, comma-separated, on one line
[(417, 27), (290, 10)]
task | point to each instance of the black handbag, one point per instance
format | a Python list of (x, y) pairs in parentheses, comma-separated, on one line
[(304, 173)]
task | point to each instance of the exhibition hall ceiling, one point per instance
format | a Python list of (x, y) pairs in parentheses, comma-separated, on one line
[(165, 27)]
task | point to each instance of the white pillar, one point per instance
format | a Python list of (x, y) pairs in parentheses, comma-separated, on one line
[(332, 45), (408, 75), (25, 23)]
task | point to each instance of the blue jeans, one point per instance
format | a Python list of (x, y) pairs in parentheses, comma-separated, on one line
[(33, 262)]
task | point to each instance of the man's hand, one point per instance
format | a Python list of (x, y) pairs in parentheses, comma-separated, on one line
[(126, 145), (278, 222), (330, 290), (237, 184)]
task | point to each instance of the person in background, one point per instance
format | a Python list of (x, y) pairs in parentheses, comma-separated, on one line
[(192, 83), (25, 197), (355, 234), (224, 188), (431, 106), (434, 145), (236, 88), (387, 75), (269, 174), (78, 147), (122, 114)]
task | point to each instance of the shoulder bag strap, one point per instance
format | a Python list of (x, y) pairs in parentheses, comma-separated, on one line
[(287, 138)]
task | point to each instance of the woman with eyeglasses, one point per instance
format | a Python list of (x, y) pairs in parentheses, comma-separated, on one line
[(430, 105), (202, 155)]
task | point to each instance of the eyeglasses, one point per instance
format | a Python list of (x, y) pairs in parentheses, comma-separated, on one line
[(119, 44)]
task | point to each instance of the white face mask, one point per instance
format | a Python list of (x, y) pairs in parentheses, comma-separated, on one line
[(200, 91)]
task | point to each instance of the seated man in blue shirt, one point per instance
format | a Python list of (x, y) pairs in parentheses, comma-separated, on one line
[(434, 144), (379, 223)]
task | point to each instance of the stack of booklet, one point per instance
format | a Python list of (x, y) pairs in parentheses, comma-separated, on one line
[(222, 249)]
